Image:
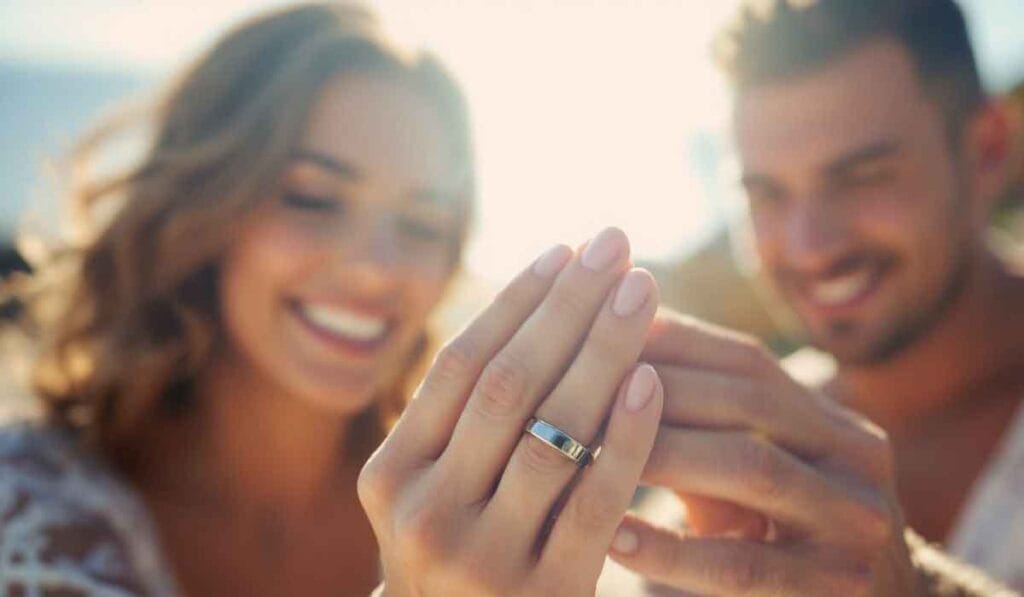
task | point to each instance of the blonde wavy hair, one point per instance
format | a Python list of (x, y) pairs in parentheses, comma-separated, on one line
[(128, 313)]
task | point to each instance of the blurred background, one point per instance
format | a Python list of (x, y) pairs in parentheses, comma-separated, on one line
[(586, 112)]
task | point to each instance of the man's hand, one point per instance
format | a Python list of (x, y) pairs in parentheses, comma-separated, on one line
[(791, 493)]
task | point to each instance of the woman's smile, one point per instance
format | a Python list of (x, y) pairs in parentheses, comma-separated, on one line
[(354, 332)]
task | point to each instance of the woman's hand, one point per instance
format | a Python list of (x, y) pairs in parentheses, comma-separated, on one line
[(463, 502)]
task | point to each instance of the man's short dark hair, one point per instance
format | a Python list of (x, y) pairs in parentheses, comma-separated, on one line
[(771, 40)]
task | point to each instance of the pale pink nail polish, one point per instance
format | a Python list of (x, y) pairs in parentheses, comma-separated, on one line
[(641, 387), (552, 261), (606, 248), (632, 293)]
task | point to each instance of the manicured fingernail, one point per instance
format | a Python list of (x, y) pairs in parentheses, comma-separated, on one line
[(625, 541), (552, 261), (604, 250), (641, 387), (632, 293)]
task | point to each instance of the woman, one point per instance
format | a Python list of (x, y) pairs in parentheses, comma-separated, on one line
[(225, 343)]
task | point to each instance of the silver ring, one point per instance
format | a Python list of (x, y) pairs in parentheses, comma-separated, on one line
[(561, 441)]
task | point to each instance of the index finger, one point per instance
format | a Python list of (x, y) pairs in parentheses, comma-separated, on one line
[(426, 425), (727, 566), (677, 339), (804, 422), (719, 378)]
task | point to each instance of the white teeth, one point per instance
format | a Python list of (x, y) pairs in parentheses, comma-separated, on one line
[(345, 323), (843, 289)]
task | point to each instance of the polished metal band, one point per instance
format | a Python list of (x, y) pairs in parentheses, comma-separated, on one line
[(561, 441)]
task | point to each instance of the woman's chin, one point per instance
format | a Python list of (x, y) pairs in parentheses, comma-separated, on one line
[(339, 402)]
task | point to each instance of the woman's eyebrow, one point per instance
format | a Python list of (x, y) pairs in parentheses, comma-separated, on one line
[(339, 168)]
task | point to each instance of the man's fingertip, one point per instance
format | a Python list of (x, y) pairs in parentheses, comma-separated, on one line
[(626, 541)]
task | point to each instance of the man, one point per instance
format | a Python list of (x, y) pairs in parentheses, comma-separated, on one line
[(871, 160)]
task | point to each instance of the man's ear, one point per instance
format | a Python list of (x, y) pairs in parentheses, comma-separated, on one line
[(987, 144)]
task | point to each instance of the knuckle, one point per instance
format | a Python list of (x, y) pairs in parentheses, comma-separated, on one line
[(875, 524), (606, 343), (867, 447), (754, 356), (502, 387), (375, 486), (568, 305), (881, 455), (663, 561), (763, 467), (743, 574), (419, 536), (538, 458), (455, 360), (596, 509), (666, 560), (870, 450), (514, 297), (755, 400)]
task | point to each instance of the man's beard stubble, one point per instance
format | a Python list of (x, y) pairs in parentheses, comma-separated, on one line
[(919, 321), (914, 326)]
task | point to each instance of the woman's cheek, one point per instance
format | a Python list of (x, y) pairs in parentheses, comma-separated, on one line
[(287, 246)]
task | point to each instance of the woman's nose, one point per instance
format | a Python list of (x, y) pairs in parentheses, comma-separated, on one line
[(371, 250)]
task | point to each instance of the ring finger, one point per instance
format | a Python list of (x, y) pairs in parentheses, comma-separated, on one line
[(537, 474), (528, 366)]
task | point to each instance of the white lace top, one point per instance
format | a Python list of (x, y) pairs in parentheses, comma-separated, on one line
[(68, 526)]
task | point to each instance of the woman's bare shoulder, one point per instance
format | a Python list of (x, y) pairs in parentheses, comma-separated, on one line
[(68, 523)]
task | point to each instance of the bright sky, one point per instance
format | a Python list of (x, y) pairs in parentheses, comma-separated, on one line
[(585, 110)]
